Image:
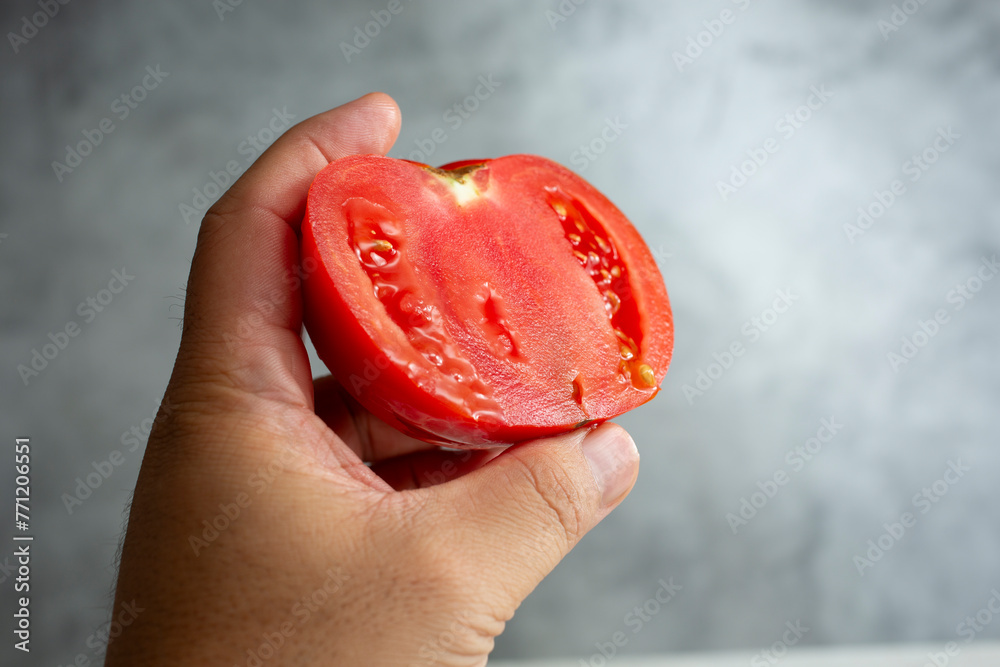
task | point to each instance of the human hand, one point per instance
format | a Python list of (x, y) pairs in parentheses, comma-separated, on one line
[(315, 557)]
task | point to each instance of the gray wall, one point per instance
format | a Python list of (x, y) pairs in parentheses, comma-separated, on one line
[(723, 259)]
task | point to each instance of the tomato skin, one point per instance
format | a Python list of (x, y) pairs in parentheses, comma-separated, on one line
[(516, 375)]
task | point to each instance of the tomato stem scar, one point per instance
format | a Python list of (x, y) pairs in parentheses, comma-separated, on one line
[(463, 189)]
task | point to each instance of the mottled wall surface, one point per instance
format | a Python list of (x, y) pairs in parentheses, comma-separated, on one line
[(748, 196)]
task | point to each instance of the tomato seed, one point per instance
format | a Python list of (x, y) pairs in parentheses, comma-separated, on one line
[(613, 302), (596, 252)]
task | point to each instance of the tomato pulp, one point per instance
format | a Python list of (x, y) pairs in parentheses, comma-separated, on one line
[(484, 302)]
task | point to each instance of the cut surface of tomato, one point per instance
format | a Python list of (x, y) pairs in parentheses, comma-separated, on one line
[(482, 303)]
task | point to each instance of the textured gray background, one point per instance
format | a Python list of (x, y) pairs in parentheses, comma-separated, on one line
[(722, 261)]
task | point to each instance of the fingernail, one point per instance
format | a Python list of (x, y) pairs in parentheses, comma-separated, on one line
[(613, 460)]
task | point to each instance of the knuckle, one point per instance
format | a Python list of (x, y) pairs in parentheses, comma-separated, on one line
[(463, 640), (220, 221)]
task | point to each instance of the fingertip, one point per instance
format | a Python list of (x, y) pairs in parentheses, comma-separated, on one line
[(383, 113), (614, 461), (385, 102)]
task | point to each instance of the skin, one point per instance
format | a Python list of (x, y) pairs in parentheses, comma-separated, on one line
[(317, 558)]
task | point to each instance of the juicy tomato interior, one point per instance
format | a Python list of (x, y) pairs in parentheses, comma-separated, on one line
[(482, 303)]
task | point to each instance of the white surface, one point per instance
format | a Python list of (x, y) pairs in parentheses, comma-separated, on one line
[(982, 655)]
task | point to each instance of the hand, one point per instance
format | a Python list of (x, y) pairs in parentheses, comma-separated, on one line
[(258, 534)]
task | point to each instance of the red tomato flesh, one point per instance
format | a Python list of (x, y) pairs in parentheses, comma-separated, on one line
[(482, 303)]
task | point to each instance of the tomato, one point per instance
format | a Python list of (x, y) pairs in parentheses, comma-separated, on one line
[(484, 302)]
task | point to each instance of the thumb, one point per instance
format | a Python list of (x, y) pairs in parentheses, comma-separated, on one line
[(522, 512)]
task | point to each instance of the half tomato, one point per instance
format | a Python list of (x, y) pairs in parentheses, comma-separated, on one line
[(484, 302)]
